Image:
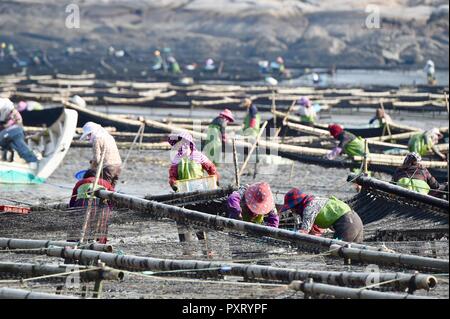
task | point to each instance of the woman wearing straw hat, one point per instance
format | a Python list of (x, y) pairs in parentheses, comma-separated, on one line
[(325, 213), (216, 135), (187, 161), (254, 204)]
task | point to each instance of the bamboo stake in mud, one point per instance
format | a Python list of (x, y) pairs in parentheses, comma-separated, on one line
[(277, 132), (258, 137), (366, 151), (235, 162), (274, 110), (386, 125), (91, 198)]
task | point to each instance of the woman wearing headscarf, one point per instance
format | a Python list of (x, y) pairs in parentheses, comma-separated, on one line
[(11, 132), (348, 142), (306, 111), (413, 176), (216, 135), (103, 142), (423, 143), (382, 117), (252, 121), (187, 161), (325, 213), (255, 204)]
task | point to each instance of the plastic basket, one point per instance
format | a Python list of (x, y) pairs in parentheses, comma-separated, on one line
[(197, 184)]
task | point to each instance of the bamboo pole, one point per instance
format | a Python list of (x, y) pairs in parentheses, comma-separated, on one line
[(312, 288), (14, 243), (308, 129), (398, 281), (91, 197), (379, 159), (380, 257), (252, 149), (126, 145), (366, 151), (285, 118), (371, 182), (10, 293), (236, 165), (307, 242), (221, 192), (37, 269)]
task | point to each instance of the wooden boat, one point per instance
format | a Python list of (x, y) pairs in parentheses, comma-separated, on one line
[(52, 145), (121, 124), (86, 76)]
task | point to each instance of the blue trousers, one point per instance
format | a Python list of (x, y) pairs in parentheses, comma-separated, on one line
[(14, 138)]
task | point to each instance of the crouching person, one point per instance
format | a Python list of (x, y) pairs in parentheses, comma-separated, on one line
[(253, 204), (84, 189), (325, 213)]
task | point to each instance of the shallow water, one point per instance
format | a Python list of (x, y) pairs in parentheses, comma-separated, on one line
[(362, 77)]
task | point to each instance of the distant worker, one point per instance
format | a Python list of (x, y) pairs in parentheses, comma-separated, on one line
[(12, 137), (413, 176), (264, 66), (278, 66), (252, 120), (84, 188), (187, 161), (316, 78), (103, 144), (306, 111), (78, 100), (174, 67), (254, 204), (158, 61), (382, 117), (431, 72), (423, 143), (324, 213), (348, 142), (209, 65), (29, 106), (216, 135)]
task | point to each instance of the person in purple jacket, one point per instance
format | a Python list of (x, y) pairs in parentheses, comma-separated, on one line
[(255, 204)]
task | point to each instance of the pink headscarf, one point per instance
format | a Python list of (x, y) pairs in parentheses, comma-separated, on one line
[(184, 145)]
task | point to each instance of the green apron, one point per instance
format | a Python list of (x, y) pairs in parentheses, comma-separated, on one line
[(415, 185), (85, 190), (213, 147), (252, 131), (310, 119), (331, 212), (258, 219), (355, 147), (417, 144), (188, 169)]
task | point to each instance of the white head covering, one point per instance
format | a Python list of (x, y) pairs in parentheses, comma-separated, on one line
[(6, 106), (92, 128), (76, 99), (434, 134)]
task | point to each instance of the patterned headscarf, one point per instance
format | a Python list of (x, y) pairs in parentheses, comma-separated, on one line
[(183, 144), (412, 159), (296, 199)]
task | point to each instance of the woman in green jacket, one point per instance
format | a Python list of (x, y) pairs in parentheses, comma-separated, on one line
[(325, 213)]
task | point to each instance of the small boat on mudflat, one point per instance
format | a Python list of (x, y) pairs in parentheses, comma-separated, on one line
[(51, 145)]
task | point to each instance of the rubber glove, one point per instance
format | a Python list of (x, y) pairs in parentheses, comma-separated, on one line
[(334, 153)]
